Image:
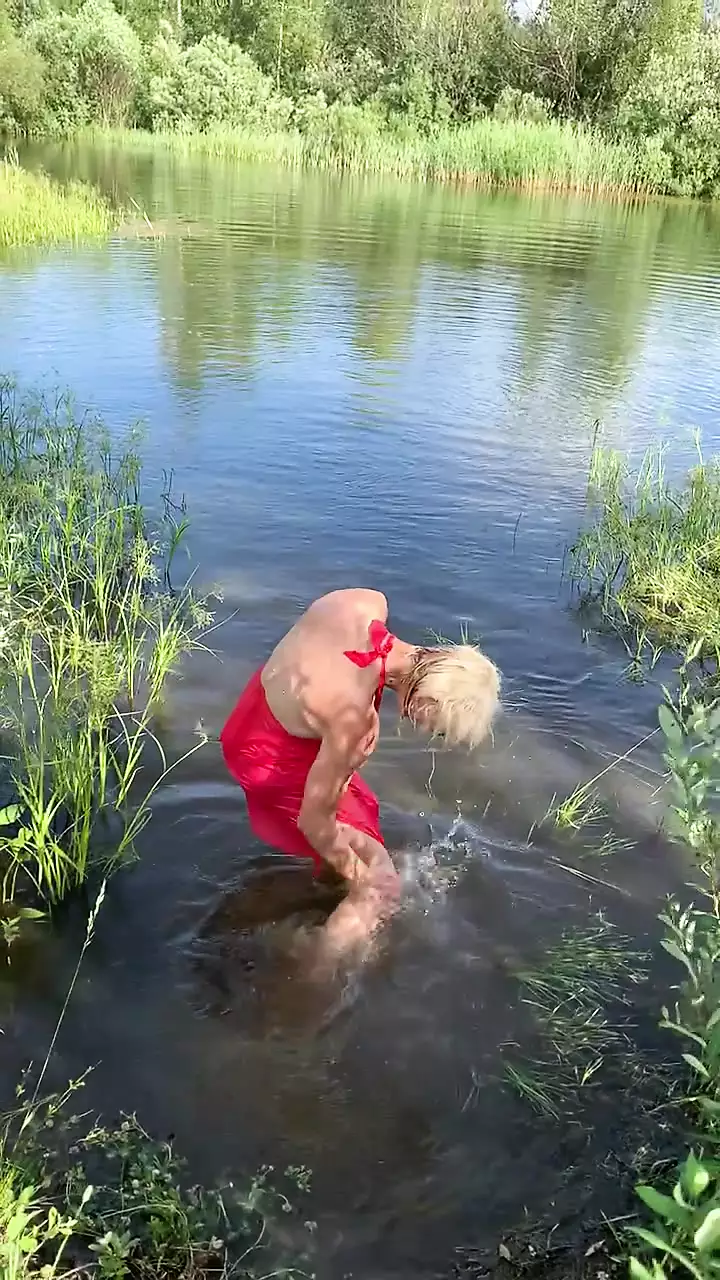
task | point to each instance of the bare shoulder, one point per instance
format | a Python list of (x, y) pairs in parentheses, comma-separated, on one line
[(352, 598)]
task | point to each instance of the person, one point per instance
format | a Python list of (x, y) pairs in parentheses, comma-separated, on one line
[(309, 719)]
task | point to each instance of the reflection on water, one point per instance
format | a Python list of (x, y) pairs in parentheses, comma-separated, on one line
[(394, 385)]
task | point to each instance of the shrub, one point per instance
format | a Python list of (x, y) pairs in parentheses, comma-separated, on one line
[(513, 104), (22, 82), (93, 61), (674, 113), (212, 83)]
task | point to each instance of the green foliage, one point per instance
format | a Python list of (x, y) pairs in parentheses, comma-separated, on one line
[(286, 39), (91, 627), (38, 210), (674, 112), (513, 104), (642, 71), (92, 62), (651, 555), (114, 1203), (22, 87), (208, 84), (684, 1235)]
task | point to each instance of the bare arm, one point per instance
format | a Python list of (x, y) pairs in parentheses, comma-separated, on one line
[(343, 749)]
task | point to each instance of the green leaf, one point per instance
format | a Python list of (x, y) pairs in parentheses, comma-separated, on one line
[(707, 1236), (673, 950), (663, 1206), (662, 1246), (639, 1272), (694, 1177), (696, 1065), (670, 726), (710, 1105), (10, 814)]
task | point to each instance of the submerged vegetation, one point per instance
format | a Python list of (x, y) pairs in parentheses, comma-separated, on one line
[(91, 627), (34, 209)]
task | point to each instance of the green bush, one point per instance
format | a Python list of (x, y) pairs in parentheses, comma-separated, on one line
[(93, 61), (22, 84), (674, 113), (513, 104), (212, 83)]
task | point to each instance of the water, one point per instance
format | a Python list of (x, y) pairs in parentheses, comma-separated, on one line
[(371, 383)]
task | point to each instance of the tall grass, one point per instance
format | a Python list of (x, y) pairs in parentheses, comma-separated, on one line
[(650, 556), (549, 156), (90, 630), (34, 209)]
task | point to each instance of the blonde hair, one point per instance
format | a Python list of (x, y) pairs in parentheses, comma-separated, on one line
[(460, 688)]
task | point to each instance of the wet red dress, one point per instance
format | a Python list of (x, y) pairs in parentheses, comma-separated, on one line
[(272, 764)]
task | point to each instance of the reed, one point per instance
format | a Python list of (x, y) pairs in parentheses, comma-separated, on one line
[(650, 556), (488, 153), (90, 630), (34, 209)]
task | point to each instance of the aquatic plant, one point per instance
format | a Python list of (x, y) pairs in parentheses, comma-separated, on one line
[(90, 629), (650, 556), (571, 993), (34, 209), (530, 155)]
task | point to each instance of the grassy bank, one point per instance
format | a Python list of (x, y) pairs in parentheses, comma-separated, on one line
[(648, 566), (91, 628), (34, 209), (487, 153)]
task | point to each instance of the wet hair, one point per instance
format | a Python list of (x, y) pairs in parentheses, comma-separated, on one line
[(455, 690)]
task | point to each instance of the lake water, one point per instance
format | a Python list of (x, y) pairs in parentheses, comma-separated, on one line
[(362, 382)]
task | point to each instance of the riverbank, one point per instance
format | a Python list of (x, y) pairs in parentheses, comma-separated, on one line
[(36, 210), (530, 156)]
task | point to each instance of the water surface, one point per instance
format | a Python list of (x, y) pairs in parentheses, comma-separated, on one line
[(393, 385)]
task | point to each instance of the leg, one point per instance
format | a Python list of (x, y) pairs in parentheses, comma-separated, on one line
[(373, 894)]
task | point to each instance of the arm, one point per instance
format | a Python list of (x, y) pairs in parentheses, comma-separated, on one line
[(343, 748)]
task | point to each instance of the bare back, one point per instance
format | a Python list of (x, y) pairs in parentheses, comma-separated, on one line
[(307, 679)]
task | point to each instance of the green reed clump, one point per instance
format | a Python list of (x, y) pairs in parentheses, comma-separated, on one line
[(34, 209), (547, 155), (90, 630), (651, 556)]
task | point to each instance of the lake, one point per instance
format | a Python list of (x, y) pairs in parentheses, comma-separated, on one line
[(362, 382)]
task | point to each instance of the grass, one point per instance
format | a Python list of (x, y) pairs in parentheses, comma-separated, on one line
[(569, 993), (36, 210), (650, 560), (650, 557), (490, 153), (81, 1199), (91, 627)]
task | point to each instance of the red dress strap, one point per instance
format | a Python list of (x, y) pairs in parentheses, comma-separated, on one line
[(381, 641)]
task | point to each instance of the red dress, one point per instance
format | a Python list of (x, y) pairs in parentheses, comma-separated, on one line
[(272, 764)]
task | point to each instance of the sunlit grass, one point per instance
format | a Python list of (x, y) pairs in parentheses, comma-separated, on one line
[(650, 556), (90, 630), (488, 152), (582, 808), (36, 210)]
